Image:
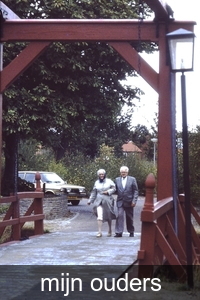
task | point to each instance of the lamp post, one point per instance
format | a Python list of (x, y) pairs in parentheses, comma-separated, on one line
[(154, 140), (181, 51)]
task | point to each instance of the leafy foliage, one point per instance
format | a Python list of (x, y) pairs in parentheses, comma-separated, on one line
[(32, 157), (81, 170), (194, 153), (72, 97), (142, 139), (194, 166)]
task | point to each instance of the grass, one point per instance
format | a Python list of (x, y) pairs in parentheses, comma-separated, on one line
[(26, 232), (3, 209), (172, 283), (6, 235)]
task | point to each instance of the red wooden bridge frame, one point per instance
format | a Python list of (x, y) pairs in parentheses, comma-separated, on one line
[(118, 34), (34, 212), (160, 243)]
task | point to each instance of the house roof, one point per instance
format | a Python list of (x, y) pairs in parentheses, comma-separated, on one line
[(130, 147)]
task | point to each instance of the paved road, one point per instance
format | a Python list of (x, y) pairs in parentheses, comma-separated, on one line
[(86, 213), (73, 251), (72, 245), (74, 242)]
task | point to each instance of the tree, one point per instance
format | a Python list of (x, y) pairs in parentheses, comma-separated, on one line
[(142, 138), (194, 156), (72, 96), (194, 164)]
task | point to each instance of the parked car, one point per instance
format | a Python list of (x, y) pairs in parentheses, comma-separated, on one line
[(54, 185)]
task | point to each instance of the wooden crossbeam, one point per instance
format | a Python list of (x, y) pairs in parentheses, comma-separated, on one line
[(169, 253), (175, 243), (84, 30), (160, 9), (21, 63), (131, 56)]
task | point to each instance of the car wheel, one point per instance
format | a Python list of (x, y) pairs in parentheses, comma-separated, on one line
[(75, 202)]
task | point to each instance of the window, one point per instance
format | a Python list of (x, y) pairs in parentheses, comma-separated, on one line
[(30, 177)]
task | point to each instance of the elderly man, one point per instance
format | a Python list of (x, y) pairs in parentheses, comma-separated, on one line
[(127, 195)]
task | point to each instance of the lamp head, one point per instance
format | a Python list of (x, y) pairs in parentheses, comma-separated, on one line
[(181, 50)]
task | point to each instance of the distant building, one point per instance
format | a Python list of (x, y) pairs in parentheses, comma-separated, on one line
[(131, 148)]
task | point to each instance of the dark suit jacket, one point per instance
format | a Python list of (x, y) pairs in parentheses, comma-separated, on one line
[(128, 195)]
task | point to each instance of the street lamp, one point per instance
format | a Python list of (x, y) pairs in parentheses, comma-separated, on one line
[(154, 140), (181, 51)]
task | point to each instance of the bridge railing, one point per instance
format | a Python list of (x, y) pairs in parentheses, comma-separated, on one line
[(34, 212), (160, 244)]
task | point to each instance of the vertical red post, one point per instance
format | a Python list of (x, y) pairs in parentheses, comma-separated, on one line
[(147, 245), (16, 229), (38, 206), (38, 185), (164, 158)]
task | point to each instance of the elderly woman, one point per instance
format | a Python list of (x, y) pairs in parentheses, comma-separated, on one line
[(101, 196)]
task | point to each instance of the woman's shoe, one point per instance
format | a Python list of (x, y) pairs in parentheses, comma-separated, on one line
[(99, 234), (109, 234)]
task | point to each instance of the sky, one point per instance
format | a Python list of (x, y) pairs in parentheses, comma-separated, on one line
[(144, 113)]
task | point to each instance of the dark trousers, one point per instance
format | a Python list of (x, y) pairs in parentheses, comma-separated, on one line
[(128, 212)]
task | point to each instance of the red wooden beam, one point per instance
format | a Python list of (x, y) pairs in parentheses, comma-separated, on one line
[(75, 30), (160, 208), (8, 199), (9, 222), (30, 195), (45, 31), (110, 31), (31, 218), (84, 30), (159, 8), (21, 63), (132, 57)]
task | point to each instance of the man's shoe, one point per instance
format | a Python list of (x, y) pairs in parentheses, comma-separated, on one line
[(131, 234), (118, 235)]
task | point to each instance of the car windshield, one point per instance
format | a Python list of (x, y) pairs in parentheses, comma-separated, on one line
[(51, 178)]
